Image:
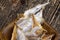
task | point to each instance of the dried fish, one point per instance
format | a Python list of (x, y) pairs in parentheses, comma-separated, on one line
[(25, 24), (34, 9), (38, 17), (31, 25), (20, 35)]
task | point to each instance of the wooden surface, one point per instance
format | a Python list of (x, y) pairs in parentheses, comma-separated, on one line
[(52, 15)]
